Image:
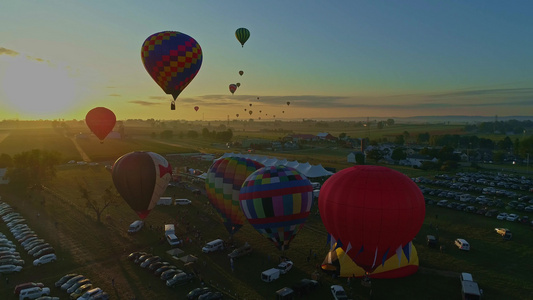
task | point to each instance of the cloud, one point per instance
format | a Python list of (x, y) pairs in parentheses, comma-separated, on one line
[(144, 103), (5, 51)]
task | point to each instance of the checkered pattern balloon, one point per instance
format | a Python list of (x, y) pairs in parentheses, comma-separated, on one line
[(172, 59), (276, 201)]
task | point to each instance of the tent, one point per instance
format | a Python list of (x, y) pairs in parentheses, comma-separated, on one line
[(303, 167), (402, 265), (317, 171)]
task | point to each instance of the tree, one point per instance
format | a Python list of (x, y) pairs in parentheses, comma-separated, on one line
[(376, 154), (390, 122), (5, 161), (422, 138), (33, 167), (342, 135), (192, 134), (359, 158), (166, 134), (100, 204), (399, 140), (398, 154)]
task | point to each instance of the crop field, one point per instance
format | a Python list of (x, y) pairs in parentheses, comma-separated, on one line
[(99, 250)]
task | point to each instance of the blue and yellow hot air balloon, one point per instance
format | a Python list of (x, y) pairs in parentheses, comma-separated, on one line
[(242, 35), (276, 201), (223, 184), (172, 59)]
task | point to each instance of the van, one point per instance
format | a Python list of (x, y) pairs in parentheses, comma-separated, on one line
[(213, 246), (270, 275), (173, 240), (164, 201), (135, 226), (462, 244), (169, 229), (33, 293)]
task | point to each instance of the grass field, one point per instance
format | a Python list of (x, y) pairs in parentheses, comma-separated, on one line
[(99, 250)]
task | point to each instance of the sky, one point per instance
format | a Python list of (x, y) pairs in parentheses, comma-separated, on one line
[(341, 59)]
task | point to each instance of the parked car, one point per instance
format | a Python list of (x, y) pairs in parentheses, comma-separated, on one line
[(304, 287), (149, 261), (162, 269), (241, 251), (88, 294), (180, 279), (100, 296), (169, 274), (197, 292), (78, 284), (44, 251), (211, 296), (512, 217), (8, 269), (462, 244), (338, 292), (432, 241), (47, 258), (26, 285), (81, 290), (71, 281), (37, 247), (134, 255), (12, 261), (34, 293), (64, 279), (502, 216), (142, 258)]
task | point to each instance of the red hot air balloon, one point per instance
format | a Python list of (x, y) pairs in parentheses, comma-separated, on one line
[(232, 88), (372, 212), (141, 178), (172, 59), (196, 108), (100, 121)]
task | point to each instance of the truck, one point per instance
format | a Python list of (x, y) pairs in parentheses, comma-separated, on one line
[(164, 201), (270, 275), (469, 288), (504, 232)]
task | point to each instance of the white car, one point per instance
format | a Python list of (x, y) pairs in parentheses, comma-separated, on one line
[(502, 216), (8, 269), (45, 259), (183, 201), (512, 217), (338, 292)]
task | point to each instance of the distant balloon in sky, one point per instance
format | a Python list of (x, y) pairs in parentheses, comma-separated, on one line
[(241, 72), (232, 88), (196, 108), (245, 109), (250, 112), (250, 104), (100, 121), (283, 112), (242, 35), (238, 84), (237, 115), (141, 178), (288, 103), (172, 59)]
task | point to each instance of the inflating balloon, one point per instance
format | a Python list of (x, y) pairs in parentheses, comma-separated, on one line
[(223, 184), (141, 178), (172, 59), (242, 35), (100, 121), (276, 201), (373, 211), (232, 88)]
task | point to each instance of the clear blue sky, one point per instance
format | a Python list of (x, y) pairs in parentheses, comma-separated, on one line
[(58, 59)]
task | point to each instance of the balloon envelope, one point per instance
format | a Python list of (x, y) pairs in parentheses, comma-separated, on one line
[(373, 211), (276, 201), (196, 108), (141, 178), (241, 72), (172, 59), (232, 88), (100, 121), (242, 35), (223, 184)]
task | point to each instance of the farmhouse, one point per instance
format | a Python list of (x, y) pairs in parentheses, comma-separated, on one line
[(326, 136)]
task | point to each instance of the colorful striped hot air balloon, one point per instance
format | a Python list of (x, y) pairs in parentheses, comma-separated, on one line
[(242, 35), (172, 59), (223, 184), (276, 201), (232, 88)]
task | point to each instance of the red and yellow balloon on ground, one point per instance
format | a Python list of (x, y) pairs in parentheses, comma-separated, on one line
[(223, 184), (372, 211), (141, 178), (276, 201), (101, 122), (172, 59)]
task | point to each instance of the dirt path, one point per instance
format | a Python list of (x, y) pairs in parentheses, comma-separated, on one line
[(3, 136), (83, 155)]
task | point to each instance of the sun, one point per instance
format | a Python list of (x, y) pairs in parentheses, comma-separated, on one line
[(37, 89)]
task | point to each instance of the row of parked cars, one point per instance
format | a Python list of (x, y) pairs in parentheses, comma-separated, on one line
[(41, 251), (80, 288), (171, 274)]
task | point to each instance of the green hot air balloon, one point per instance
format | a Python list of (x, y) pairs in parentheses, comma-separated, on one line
[(242, 35)]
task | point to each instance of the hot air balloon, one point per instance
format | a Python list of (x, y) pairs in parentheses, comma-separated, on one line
[(237, 115), (172, 59), (274, 116), (283, 112), (141, 178), (223, 184), (245, 109), (242, 35), (250, 104), (372, 211), (100, 121), (288, 103), (259, 111), (238, 84), (250, 112), (276, 201), (196, 108), (241, 72), (257, 98), (232, 88)]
